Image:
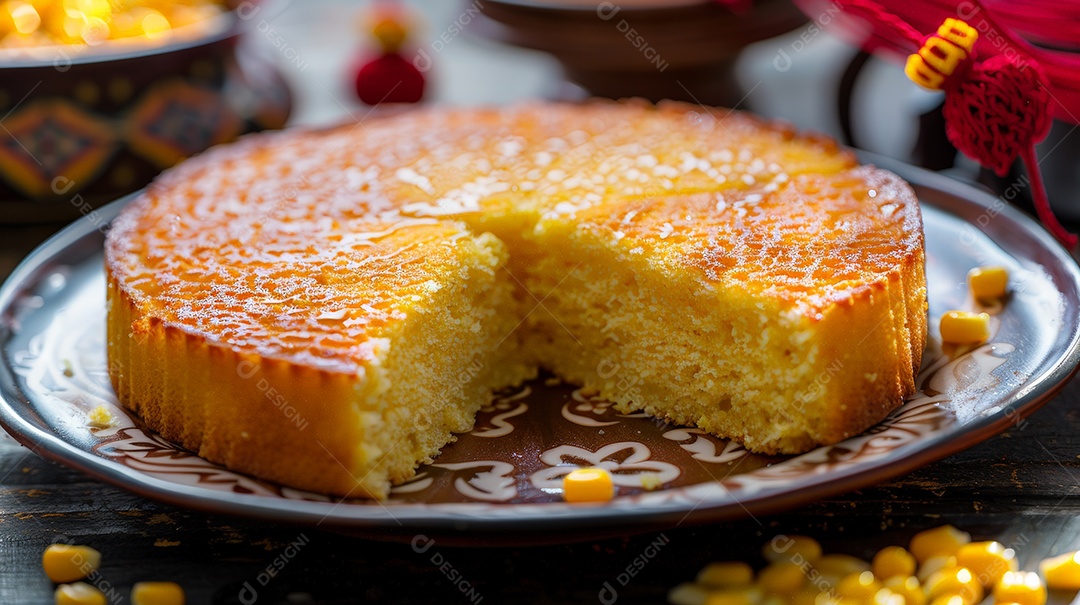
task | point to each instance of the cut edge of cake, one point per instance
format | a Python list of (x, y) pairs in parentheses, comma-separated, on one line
[(353, 434)]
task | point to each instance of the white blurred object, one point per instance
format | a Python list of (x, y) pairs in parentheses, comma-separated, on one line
[(797, 77), (465, 71)]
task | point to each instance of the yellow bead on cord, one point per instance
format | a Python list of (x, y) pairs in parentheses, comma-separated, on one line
[(941, 54), (390, 32)]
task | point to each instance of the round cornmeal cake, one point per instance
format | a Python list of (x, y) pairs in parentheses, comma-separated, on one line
[(326, 309)]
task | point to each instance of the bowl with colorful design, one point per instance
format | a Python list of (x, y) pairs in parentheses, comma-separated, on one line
[(85, 117)]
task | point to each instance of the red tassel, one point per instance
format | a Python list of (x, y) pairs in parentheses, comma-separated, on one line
[(995, 110), (389, 78)]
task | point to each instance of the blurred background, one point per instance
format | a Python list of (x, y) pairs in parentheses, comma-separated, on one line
[(485, 52), (98, 96)]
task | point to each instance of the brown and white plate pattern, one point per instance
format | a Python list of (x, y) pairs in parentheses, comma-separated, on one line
[(506, 474)]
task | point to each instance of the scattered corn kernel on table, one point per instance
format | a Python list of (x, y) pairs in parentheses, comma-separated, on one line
[(1020, 488)]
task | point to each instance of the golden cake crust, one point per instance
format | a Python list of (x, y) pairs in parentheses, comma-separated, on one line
[(267, 299)]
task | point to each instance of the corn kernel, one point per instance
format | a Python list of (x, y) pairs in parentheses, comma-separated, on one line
[(1062, 572), (748, 595), (1023, 587), (987, 560), (825, 598), (840, 565), (79, 593), (100, 418), (157, 593), (988, 283), (651, 482), (885, 596), (961, 327), (723, 574), (893, 561), (948, 599), (688, 593), (859, 586), (934, 565), (908, 587), (67, 563), (944, 540), (954, 581), (806, 596), (795, 549), (588, 485), (782, 578)]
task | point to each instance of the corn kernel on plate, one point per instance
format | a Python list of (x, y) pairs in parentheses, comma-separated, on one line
[(506, 478)]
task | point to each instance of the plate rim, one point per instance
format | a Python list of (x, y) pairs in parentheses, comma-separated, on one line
[(378, 519)]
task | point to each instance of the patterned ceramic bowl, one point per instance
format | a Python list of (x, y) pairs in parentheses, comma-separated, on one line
[(79, 128)]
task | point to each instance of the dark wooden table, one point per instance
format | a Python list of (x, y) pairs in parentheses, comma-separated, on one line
[(1021, 488)]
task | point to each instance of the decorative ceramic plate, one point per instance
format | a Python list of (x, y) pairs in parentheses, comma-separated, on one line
[(505, 475)]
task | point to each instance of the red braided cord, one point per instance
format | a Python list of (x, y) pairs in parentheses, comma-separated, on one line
[(1042, 203), (1048, 22), (1044, 21), (877, 14)]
